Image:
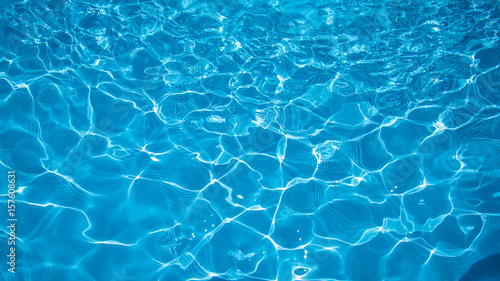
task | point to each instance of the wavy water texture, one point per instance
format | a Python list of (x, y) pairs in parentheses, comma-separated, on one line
[(252, 140)]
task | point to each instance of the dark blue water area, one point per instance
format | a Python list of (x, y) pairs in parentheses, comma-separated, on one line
[(486, 269), (251, 140)]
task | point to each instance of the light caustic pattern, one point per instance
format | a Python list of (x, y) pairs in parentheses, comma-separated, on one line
[(252, 140)]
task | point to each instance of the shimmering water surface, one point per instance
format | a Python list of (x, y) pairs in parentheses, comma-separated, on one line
[(251, 140)]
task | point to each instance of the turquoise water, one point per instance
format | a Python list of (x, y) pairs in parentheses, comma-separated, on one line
[(251, 140)]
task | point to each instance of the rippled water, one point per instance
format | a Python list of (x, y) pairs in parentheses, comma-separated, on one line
[(252, 140)]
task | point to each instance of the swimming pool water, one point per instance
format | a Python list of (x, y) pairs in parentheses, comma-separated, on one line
[(251, 140)]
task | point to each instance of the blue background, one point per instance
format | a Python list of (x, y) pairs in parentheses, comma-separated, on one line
[(252, 140)]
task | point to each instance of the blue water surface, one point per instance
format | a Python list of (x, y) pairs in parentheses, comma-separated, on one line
[(251, 140)]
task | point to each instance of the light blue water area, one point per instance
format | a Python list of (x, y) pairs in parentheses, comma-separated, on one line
[(251, 140)]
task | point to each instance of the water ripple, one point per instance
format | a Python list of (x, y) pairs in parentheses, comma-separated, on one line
[(252, 140)]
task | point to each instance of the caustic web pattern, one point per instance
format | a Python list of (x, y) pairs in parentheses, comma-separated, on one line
[(252, 140)]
